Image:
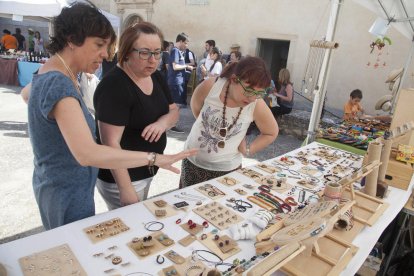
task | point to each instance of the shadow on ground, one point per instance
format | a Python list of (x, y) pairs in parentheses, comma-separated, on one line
[(18, 129), (23, 234)]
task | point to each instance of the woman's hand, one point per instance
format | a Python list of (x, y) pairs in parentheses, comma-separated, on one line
[(153, 132), (165, 161), (128, 195)]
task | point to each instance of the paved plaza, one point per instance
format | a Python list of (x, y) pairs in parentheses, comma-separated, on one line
[(19, 215)]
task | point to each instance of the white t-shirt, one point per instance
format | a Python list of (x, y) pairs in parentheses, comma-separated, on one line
[(218, 67), (205, 136)]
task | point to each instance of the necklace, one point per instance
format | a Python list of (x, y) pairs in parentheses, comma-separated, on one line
[(72, 76), (223, 130)]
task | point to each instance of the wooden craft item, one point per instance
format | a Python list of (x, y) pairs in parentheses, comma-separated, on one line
[(152, 207), (218, 215), (137, 245), (160, 203), (187, 240), (210, 191), (299, 231), (374, 154), (240, 191), (193, 231), (226, 246), (211, 245), (106, 229), (282, 187), (3, 271), (160, 213), (276, 260), (168, 271), (58, 260), (250, 173), (349, 235), (174, 257), (229, 181), (329, 257), (268, 168), (189, 268), (311, 211), (309, 171)]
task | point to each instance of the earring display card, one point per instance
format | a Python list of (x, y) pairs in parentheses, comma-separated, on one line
[(174, 257), (211, 191), (250, 173), (153, 207), (142, 249), (170, 271), (218, 215), (55, 261), (106, 229), (210, 243), (225, 243), (187, 240), (229, 181), (189, 267), (268, 168), (193, 231)]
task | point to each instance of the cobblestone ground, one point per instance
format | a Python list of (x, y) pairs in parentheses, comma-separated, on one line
[(18, 210)]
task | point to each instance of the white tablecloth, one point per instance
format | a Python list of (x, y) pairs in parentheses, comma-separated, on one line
[(135, 215)]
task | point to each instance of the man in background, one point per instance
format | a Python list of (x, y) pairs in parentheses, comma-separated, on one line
[(20, 39), (30, 40), (8, 41)]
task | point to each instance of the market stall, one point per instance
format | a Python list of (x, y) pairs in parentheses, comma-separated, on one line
[(219, 222), (26, 70)]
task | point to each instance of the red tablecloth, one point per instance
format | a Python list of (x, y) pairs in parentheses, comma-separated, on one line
[(8, 72)]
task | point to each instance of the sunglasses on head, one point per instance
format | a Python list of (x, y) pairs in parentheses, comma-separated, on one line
[(249, 92)]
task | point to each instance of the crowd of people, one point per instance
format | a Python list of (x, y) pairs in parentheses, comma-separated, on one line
[(17, 41), (136, 102)]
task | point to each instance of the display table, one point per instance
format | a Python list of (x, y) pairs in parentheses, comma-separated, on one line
[(341, 146), (26, 70), (8, 69), (91, 256)]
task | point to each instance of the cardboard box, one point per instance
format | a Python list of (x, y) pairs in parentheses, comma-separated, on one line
[(398, 173)]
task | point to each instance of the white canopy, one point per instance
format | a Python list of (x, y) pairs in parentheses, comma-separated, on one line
[(42, 10)]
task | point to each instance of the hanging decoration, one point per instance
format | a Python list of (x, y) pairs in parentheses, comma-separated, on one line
[(313, 66), (377, 59)]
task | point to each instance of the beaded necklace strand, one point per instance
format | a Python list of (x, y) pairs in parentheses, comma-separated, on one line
[(72, 76)]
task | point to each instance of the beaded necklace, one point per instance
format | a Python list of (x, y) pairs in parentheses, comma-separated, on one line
[(223, 121), (71, 75)]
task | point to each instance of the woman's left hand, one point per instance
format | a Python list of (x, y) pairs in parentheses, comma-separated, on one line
[(153, 132)]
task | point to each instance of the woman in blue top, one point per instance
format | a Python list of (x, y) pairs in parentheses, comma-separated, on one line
[(61, 128)]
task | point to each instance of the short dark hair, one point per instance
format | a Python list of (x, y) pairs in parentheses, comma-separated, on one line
[(356, 94), (211, 42), (5, 31), (250, 69), (77, 22), (181, 37), (165, 45), (18, 31), (131, 34)]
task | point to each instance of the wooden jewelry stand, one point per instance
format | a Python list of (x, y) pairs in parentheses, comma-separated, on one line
[(218, 215)]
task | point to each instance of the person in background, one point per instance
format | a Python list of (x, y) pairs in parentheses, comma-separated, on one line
[(38, 40), (8, 41), (353, 108), (62, 131), (235, 56), (30, 40), (176, 71), (284, 94), (215, 68), (224, 107), (209, 44), (20, 39), (163, 64), (134, 109)]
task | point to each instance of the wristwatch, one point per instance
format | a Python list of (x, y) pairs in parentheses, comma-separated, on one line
[(152, 156)]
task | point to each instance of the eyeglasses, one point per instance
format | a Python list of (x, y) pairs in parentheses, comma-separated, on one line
[(147, 54), (249, 92)]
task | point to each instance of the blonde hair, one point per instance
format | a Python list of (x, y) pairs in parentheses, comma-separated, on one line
[(284, 76)]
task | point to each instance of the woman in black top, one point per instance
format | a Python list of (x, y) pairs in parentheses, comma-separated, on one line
[(134, 109)]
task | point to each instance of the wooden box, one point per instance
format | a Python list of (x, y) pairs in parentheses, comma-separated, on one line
[(398, 173)]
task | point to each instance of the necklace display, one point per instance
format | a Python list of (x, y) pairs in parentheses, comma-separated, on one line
[(72, 76), (224, 130)]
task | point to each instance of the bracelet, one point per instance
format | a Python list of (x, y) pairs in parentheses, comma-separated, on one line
[(152, 157), (148, 225)]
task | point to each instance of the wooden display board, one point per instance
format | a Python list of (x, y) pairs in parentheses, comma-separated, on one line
[(55, 261), (106, 229), (182, 268), (218, 215), (156, 246), (211, 244), (152, 207), (404, 113)]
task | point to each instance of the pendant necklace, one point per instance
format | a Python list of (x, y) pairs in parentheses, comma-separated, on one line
[(71, 75), (223, 130)]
